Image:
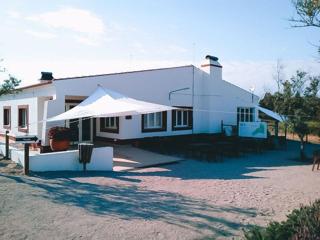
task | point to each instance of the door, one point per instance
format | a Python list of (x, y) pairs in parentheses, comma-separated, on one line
[(82, 129)]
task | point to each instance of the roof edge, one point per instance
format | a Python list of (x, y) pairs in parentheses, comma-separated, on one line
[(34, 85), (116, 73)]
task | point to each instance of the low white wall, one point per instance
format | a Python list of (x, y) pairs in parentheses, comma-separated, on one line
[(17, 156), (14, 154), (101, 160)]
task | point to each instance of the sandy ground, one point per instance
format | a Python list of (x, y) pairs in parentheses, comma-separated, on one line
[(186, 200)]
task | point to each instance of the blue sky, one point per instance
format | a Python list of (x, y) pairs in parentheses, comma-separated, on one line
[(72, 38)]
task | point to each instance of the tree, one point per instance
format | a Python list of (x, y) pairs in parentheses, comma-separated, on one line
[(308, 14), (298, 101), (268, 101), (9, 85), (279, 76)]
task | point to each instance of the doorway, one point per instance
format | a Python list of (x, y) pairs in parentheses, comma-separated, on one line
[(82, 128)]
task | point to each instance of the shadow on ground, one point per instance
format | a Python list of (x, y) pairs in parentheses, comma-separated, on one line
[(230, 169), (133, 202)]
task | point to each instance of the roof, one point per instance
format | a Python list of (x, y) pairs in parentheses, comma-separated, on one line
[(47, 82), (117, 73), (35, 85)]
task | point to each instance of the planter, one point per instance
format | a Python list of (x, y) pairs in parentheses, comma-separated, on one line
[(59, 145)]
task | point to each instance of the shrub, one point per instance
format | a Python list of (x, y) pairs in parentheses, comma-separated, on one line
[(60, 133), (302, 223)]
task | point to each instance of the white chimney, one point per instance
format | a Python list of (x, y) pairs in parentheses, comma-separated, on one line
[(212, 67)]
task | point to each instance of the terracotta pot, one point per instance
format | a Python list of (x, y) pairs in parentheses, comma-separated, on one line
[(59, 145)]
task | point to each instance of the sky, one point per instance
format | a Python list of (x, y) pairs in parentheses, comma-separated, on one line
[(80, 37)]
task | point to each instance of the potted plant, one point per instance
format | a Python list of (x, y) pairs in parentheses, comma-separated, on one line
[(59, 138)]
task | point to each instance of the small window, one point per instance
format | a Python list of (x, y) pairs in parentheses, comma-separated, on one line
[(7, 117), (154, 122), (109, 124), (182, 119), (245, 114), (23, 120)]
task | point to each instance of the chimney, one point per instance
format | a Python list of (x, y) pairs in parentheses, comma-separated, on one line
[(46, 76), (212, 67)]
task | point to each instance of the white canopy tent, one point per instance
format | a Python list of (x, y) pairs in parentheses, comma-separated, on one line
[(108, 103)]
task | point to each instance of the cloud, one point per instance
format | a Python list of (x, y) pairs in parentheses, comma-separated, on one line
[(14, 14), (77, 20), (85, 26), (87, 40), (42, 35)]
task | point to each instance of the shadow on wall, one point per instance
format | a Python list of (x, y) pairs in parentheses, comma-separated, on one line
[(133, 202)]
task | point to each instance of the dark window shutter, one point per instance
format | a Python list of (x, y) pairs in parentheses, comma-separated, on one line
[(190, 116), (174, 118), (164, 120)]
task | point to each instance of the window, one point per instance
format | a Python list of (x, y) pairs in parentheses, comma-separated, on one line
[(109, 124), (154, 122), (182, 119), (7, 117), (23, 120), (245, 114)]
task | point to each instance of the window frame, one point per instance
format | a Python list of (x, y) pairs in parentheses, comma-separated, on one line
[(6, 126), (182, 109), (245, 114), (103, 128), (163, 126), (26, 128)]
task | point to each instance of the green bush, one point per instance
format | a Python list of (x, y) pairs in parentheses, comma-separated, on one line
[(302, 223)]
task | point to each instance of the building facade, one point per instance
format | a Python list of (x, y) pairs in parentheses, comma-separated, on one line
[(204, 100)]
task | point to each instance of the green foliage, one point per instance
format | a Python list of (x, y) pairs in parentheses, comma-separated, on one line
[(308, 12), (9, 86), (268, 101), (302, 223), (298, 101)]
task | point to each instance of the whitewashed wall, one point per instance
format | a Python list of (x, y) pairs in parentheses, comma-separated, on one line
[(15, 155), (34, 98), (101, 160), (216, 100), (153, 86), (131, 128), (32, 103)]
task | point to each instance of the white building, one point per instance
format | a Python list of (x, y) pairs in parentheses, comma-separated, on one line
[(205, 96)]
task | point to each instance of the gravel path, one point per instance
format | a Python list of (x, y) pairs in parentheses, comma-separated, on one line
[(187, 200)]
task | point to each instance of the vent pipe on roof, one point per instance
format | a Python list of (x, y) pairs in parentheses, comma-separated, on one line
[(46, 76), (212, 67)]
